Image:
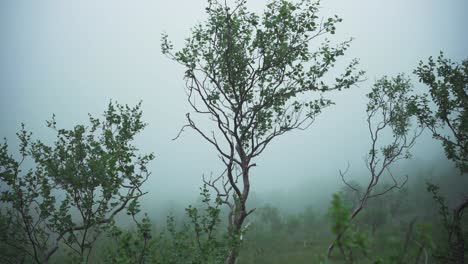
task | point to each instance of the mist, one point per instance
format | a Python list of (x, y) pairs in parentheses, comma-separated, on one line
[(72, 58)]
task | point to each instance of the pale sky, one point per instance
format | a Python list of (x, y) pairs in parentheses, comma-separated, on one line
[(71, 57)]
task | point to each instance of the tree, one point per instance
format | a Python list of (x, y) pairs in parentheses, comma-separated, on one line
[(448, 121), (448, 87), (389, 112), (351, 238), (76, 186), (255, 78), (131, 246)]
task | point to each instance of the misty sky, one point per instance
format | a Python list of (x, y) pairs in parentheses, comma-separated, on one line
[(71, 57)]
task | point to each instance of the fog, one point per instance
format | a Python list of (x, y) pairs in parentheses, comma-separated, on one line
[(72, 57)]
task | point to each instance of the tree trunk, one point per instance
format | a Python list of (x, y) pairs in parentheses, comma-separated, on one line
[(232, 257), (353, 215), (240, 211)]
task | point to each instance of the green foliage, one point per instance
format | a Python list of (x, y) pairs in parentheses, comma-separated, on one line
[(389, 110), (257, 77), (239, 61), (205, 224), (389, 99), (352, 240), (440, 200), (339, 214), (178, 245), (448, 121), (12, 240), (198, 240), (448, 86), (299, 238), (131, 247), (195, 240), (446, 250), (76, 186)]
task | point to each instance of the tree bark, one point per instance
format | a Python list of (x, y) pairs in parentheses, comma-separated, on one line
[(240, 211), (232, 257)]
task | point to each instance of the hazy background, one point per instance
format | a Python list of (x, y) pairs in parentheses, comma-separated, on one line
[(71, 57)]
